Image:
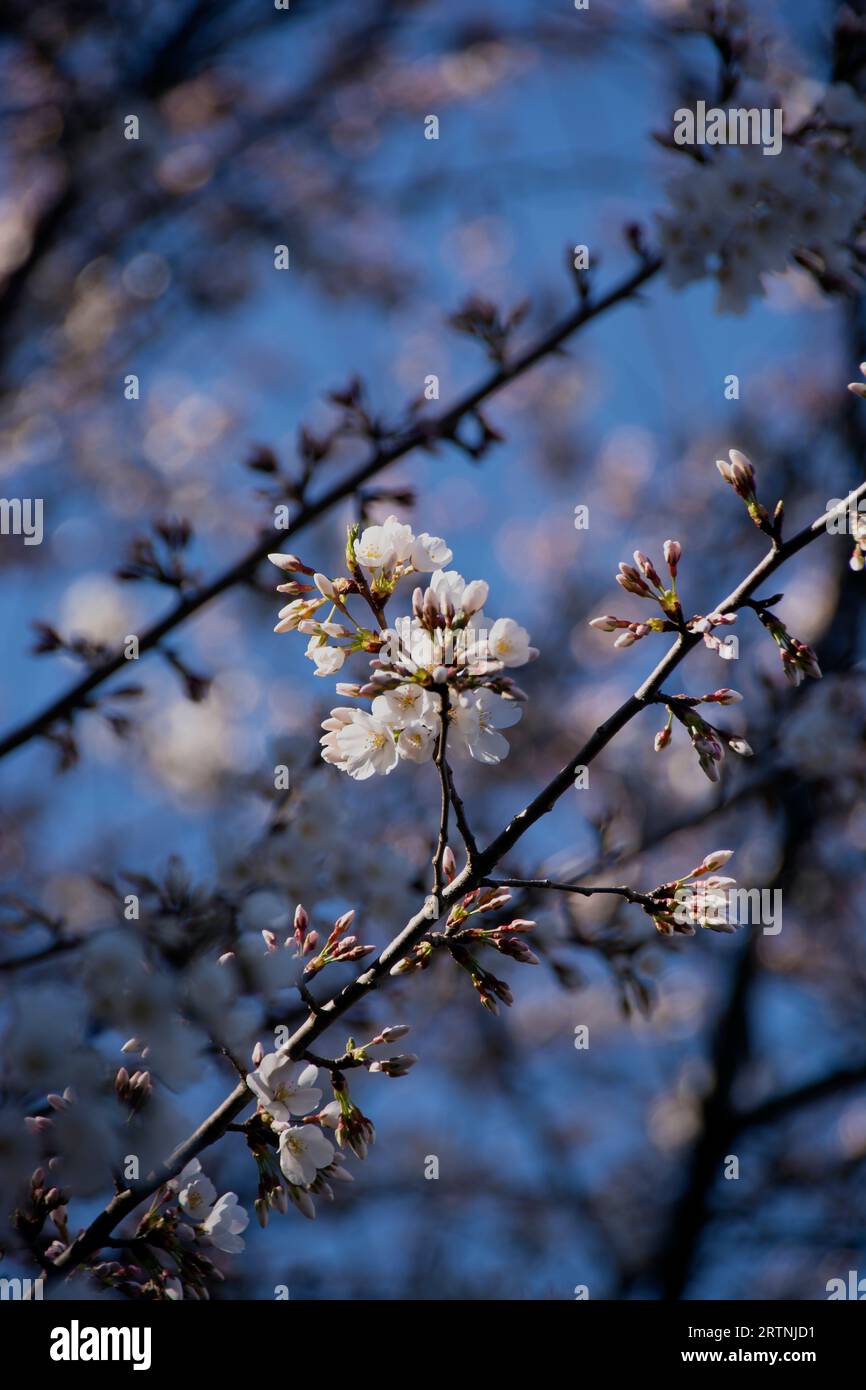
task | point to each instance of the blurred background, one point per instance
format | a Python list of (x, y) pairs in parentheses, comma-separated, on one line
[(154, 257)]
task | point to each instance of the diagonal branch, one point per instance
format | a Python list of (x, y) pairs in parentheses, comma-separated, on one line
[(776, 1107), (436, 905)]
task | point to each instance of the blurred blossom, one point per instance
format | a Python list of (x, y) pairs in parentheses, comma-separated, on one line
[(673, 1121), (98, 608), (47, 1026), (89, 1145), (852, 1130), (191, 746), (824, 733), (15, 238), (147, 276), (19, 1151), (186, 168)]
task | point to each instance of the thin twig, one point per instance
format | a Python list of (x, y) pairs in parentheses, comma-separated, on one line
[(460, 816), (642, 899), (442, 767)]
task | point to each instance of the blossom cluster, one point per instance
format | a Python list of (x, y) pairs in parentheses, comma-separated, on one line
[(444, 660), (219, 1220), (289, 1119), (643, 580), (708, 741), (698, 899), (462, 937), (739, 216)]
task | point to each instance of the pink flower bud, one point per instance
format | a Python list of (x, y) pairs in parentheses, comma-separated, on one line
[(647, 568), (324, 586), (304, 1202), (474, 597), (287, 563), (397, 1030), (716, 860)]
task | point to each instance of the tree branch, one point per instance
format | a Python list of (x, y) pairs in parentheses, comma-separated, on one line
[(460, 816), (642, 899), (442, 767), (434, 907)]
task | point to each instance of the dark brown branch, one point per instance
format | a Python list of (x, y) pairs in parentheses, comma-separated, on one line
[(442, 768), (434, 907), (552, 885), (460, 816), (777, 1107)]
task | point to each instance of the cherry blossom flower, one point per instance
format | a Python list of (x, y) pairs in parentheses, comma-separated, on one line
[(406, 704), (416, 742), (478, 717), (197, 1196), (304, 1149), (283, 1087), (429, 553), (328, 660), (365, 745), (509, 643), (223, 1226), (379, 547)]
